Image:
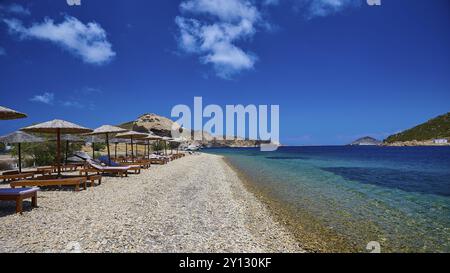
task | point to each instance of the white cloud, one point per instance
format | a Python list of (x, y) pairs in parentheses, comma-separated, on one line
[(213, 30), (46, 98), (91, 90), (322, 8), (87, 41), (225, 10), (16, 9), (216, 30), (72, 103)]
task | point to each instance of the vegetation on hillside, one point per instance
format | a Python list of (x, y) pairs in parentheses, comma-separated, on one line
[(438, 127)]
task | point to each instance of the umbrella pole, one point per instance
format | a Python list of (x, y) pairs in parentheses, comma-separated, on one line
[(67, 151), (165, 147), (93, 150), (107, 145), (145, 150), (20, 159), (115, 151), (58, 151), (132, 150), (126, 150)]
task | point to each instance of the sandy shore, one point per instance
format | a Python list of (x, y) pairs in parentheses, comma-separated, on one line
[(194, 204)]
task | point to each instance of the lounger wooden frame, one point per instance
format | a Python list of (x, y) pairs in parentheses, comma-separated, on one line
[(19, 199), (73, 181)]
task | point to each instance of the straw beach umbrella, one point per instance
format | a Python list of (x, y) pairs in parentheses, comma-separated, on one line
[(93, 139), (154, 137), (67, 139), (106, 130), (165, 139), (57, 127), (19, 138), (177, 141), (132, 135), (6, 113), (117, 141)]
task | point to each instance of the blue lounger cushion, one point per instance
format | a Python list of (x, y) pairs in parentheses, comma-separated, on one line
[(105, 160), (18, 191)]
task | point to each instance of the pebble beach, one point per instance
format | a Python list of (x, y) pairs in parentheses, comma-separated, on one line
[(195, 204)]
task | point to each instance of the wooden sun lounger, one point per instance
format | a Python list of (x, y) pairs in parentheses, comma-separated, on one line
[(19, 195), (87, 171), (90, 178), (69, 167), (16, 176), (158, 161), (134, 167), (42, 182), (121, 171)]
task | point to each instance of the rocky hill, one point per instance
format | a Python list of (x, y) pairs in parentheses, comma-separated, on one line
[(162, 126), (435, 128), (366, 141)]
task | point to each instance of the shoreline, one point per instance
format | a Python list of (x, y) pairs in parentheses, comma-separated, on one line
[(310, 234), (193, 204)]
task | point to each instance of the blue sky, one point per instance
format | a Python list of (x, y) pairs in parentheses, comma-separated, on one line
[(339, 69)]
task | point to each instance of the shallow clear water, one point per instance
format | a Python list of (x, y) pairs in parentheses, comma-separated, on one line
[(398, 196)]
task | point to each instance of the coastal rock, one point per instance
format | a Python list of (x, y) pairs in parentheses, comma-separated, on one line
[(366, 141), (162, 126)]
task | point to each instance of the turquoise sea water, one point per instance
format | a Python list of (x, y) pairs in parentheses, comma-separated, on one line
[(398, 196)]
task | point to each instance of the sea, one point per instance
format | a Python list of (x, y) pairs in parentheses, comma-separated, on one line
[(394, 198)]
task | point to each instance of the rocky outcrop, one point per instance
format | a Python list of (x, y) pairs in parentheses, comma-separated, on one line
[(162, 126), (366, 141)]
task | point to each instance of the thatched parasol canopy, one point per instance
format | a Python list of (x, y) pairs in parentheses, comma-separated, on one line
[(19, 138), (6, 113), (71, 138), (57, 127), (106, 130), (152, 136), (52, 127), (132, 135), (94, 139), (166, 139), (119, 140)]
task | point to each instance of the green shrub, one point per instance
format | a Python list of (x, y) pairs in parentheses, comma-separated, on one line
[(42, 154)]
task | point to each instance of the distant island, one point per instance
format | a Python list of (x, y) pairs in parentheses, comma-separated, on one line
[(366, 141)]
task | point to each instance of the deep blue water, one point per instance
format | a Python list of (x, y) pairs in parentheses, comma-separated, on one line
[(399, 196)]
